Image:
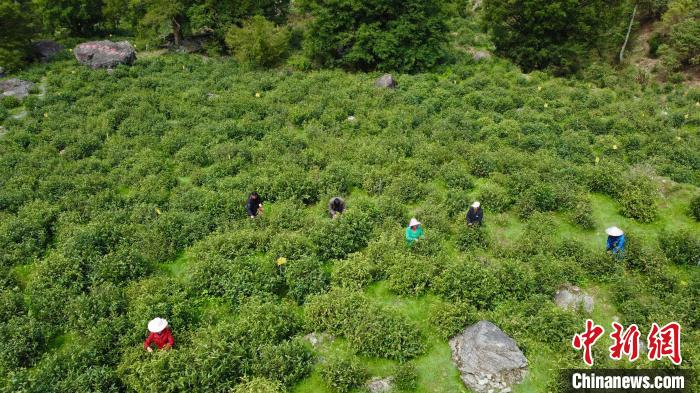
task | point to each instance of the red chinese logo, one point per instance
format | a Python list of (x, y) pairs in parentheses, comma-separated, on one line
[(586, 340), (626, 342), (665, 342), (662, 342)]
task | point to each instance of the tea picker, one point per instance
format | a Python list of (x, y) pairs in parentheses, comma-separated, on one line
[(475, 215), (335, 207), (616, 242), (160, 335), (414, 232), (254, 206)]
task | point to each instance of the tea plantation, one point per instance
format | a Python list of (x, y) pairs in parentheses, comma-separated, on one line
[(122, 199)]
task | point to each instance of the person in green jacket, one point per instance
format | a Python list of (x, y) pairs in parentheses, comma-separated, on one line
[(414, 232)]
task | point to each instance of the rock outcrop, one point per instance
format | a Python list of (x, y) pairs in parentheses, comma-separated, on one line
[(488, 360), (386, 81), (105, 54), (45, 50), (17, 88), (570, 297)]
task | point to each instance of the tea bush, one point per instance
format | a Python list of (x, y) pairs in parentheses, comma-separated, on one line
[(411, 275), (337, 238), (235, 279), (259, 385), (343, 374), (405, 377), (370, 329), (468, 280), (472, 237), (494, 198), (356, 272), (287, 362), (681, 247), (451, 318), (695, 208), (305, 277), (638, 199)]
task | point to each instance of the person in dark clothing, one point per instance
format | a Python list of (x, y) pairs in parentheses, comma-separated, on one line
[(475, 215), (336, 206), (254, 206)]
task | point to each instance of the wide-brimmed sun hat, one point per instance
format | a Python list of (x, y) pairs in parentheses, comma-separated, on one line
[(413, 222), (476, 204), (157, 325), (614, 231)]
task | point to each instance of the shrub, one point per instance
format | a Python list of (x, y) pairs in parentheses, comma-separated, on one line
[(343, 374), (494, 198), (682, 247), (582, 214), (235, 279), (405, 377), (305, 277), (638, 199), (695, 208), (370, 329), (355, 272), (467, 280), (410, 275), (22, 339), (335, 239), (287, 362), (261, 321), (451, 318), (258, 43), (456, 175), (472, 237), (259, 385)]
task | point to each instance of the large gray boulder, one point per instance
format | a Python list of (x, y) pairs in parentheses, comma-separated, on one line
[(105, 54), (386, 81), (45, 50), (17, 88), (488, 360), (571, 297)]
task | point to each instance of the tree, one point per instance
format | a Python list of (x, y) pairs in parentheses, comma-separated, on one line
[(79, 17), (17, 31), (258, 43), (376, 34), (185, 17), (554, 34)]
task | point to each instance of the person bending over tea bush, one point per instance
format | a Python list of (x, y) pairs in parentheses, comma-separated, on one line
[(414, 232), (616, 242), (336, 206), (475, 215), (254, 206), (160, 335)]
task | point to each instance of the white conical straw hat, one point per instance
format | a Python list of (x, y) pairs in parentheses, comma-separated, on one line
[(413, 222), (157, 325), (476, 204), (614, 231)]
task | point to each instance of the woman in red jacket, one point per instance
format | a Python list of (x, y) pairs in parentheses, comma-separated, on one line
[(160, 335)]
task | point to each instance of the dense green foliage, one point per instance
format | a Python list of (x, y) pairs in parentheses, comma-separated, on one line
[(18, 29), (550, 34), (122, 198), (376, 34), (258, 43), (680, 36)]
